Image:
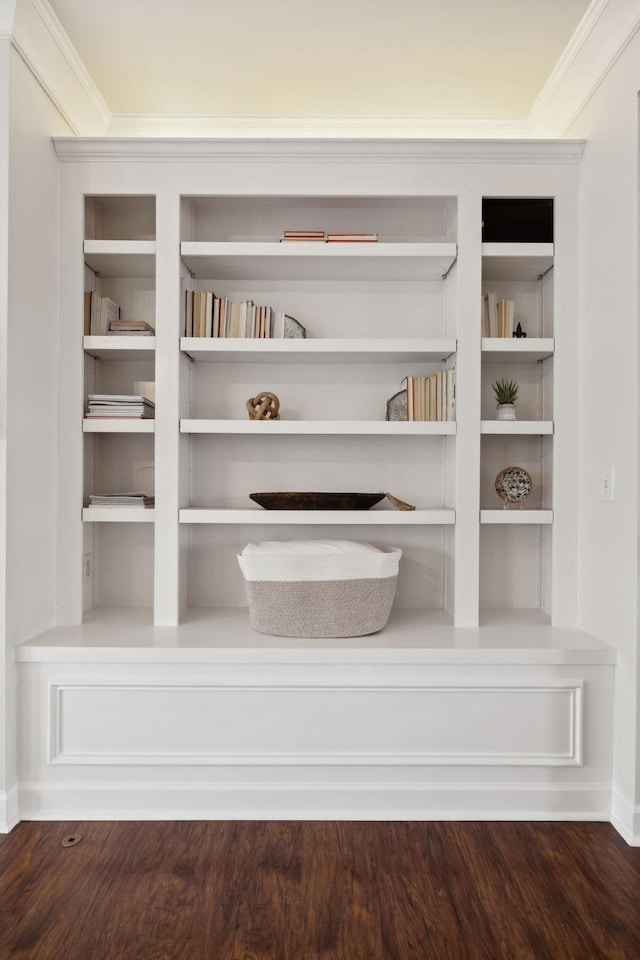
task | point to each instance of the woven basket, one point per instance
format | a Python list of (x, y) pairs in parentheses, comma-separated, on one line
[(298, 595)]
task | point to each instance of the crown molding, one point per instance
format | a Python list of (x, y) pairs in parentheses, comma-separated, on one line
[(41, 41), (161, 150), (599, 40)]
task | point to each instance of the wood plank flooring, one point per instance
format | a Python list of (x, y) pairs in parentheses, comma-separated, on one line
[(319, 891)]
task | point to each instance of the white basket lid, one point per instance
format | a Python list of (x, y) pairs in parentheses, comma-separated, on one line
[(293, 560)]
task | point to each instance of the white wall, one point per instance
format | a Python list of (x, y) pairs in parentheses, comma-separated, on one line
[(5, 784), (608, 390), (31, 330)]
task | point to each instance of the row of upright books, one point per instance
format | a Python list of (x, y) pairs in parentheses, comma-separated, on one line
[(128, 406), (497, 316), (206, 315), (322, 237), (102, 318), (433, 397)]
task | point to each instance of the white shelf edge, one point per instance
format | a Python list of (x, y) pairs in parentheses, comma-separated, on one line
[(523, 349), (223, 635), (119, 347), (118, 514), (517, 249), (380, 428), (515, 516), (296, 517), (121, 247), (516, 427), (270, 248), (344, 351), (118, 425)]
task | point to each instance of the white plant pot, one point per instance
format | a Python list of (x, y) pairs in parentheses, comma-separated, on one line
[(506, 411)]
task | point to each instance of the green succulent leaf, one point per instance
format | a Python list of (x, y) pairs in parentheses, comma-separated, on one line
[(506, 391)]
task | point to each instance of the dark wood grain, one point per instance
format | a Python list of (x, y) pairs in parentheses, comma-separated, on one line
[(319, 891)]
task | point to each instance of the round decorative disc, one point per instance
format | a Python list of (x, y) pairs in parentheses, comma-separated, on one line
[(513, 485)]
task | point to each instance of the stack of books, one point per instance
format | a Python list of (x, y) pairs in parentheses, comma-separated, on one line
[(130, 328), (106, 405), (432, 398), (497, 316), (102, 317), (121, 500)]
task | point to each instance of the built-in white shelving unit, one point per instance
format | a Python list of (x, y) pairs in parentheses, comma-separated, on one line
[(154, 696), (374, 313)]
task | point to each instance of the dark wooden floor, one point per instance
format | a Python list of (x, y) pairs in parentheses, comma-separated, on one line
[(319, 891)]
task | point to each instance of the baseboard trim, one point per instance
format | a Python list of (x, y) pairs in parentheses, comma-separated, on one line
[(260, 801), (625, 817), (9, 809)]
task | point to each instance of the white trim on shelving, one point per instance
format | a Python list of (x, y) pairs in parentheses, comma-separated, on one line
[(118, 425), (317, 150), (514, 350), (516, 427), (332, 350), (223, 635), (269, 259), (118, 514), (121, 247), (294, 517), (382, 428), (120, 348)]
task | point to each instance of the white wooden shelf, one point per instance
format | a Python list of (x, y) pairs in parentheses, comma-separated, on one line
[(120, 348), (380, 428), (310, 261), (118, 425), (318, 351), (118, 514), (121, 258), (516, 261), (516, 428), (516, 516), (223, 635), (297, 517), (517, 350)]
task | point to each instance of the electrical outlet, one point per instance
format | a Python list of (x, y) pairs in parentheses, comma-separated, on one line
[(86, 566), (606, 484)]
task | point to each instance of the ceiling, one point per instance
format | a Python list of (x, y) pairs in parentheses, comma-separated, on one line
[(437, 59)]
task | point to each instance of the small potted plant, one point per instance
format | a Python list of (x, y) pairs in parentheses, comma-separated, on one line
[(506, 393)]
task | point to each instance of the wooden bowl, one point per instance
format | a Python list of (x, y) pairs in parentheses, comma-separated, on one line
[(316, 501)]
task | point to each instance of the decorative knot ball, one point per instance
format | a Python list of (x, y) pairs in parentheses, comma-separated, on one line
[(263, 407)]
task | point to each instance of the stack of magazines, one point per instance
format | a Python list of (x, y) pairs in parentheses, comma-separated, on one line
[(121, 500), (120, 405)]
